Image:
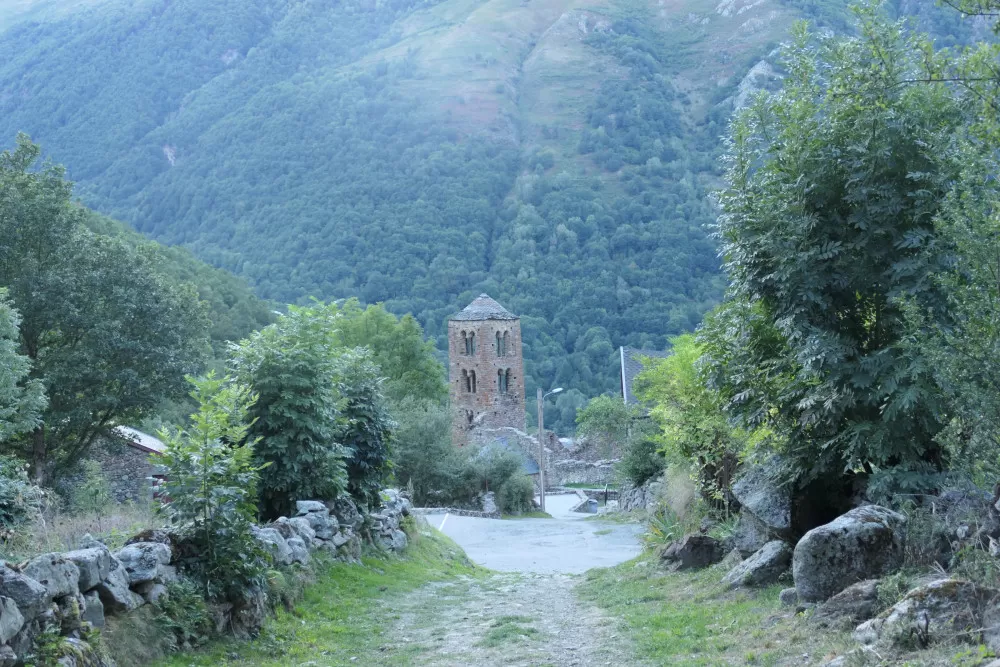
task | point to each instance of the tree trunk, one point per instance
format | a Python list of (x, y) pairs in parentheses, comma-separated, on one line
[(39, 455)]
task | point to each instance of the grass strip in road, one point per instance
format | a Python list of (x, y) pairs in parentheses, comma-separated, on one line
[(690, 618), (339, 620)]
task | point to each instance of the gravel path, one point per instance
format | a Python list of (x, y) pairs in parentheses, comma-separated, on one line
[(508, 620), (525, 613)]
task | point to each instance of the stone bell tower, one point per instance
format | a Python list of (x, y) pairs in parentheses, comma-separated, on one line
[(485, 369)]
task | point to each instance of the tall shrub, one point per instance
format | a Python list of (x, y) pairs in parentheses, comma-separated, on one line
[(211, 490), (292, 366)]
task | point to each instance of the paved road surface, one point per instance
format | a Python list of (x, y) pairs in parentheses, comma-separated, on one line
[(564, 544)]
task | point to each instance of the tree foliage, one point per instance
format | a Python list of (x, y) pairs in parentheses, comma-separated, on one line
[(211, 490), (833, 186), (106, 332), (692, 426), (365, 427), (292, 367), (21, 399)]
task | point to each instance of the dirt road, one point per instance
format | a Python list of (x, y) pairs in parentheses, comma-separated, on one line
[(524, 614)]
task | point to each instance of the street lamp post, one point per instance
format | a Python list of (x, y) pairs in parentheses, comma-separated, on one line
[(541, 444)]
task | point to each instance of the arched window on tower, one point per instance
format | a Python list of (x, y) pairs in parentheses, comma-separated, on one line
[(466, 381), (471, 346), (500, 385), (499, 349), (472, 374), (465, 343), (505, 343), (506, 381)]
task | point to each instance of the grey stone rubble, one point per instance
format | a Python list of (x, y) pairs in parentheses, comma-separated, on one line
[(765, 507), (692, 552), (72, 591), (865, 543), (763, 568), (943, 610), (641, 499)]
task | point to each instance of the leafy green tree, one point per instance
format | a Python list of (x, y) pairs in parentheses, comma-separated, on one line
[(108, 334), (693, 427), (424, 458), (293, 366), (211, 490), (827, 227), (398, 348), (611, 423), (366, 427), (20, 500), (21, 400)]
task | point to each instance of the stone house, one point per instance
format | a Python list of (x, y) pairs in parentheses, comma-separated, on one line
[(128, 461)]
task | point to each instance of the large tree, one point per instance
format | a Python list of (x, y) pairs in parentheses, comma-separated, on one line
[(828, 230), (21, 399), (105, 331)]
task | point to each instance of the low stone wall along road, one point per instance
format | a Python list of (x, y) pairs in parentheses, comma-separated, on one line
[(565, 544)]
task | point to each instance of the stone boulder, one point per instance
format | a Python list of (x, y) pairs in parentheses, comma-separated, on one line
[(114, 591), (274, 544), (763, 568), (788, 597), (854, 604), (691, 552), (300, 552), (93, 611), (11, 620), (302, 528), (322, 525), (398, 541), (865, 543), (347, 514), (59, 575), (943, 610), (762, 495), (304, 507), (29, 595), (142, 560), (94, 565), (749, 536)]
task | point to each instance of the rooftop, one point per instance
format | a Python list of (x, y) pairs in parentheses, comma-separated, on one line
[(631, 366), (140, 440), (483, 308)]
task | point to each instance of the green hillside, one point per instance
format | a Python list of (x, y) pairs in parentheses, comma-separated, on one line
[(557, 154)]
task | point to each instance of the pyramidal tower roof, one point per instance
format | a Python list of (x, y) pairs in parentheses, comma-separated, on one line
[(483, 308)]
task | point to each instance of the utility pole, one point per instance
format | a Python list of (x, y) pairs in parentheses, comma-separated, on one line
[(541, 451), (541, 443)]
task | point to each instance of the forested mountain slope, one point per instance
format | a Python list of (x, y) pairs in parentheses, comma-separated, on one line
[(557, 154)]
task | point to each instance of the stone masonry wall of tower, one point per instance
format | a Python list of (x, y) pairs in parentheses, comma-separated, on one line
[(485, 369)]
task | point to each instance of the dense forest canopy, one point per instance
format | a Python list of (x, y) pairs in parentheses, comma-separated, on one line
[(555, 154)]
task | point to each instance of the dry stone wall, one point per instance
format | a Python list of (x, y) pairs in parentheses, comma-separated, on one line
[(72, 593)]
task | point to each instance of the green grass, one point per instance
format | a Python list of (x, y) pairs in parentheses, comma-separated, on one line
[(580, 485), (509, 630), (691, 619), (339, 621), (603, 531), (537, 514)]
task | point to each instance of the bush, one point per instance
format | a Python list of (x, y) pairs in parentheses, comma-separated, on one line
[(293, 366), (20, 500), (641, 461), (367, 428), (516, 495), (211, 492), (185, 615)]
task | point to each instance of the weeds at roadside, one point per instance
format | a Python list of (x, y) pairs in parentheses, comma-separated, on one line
[(508, 630)]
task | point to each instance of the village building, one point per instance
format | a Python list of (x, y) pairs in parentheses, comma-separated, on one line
[(485, 370), (632, 363)]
